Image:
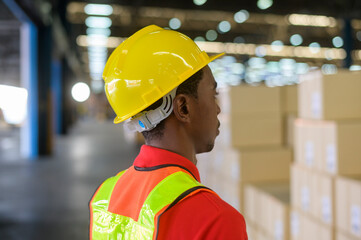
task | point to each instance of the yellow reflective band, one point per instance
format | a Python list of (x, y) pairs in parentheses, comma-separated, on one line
[(110, 226)]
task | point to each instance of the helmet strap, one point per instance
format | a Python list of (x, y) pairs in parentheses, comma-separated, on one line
[(148, 120)]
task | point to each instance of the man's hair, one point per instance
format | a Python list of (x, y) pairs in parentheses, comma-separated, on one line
[(188, 87)]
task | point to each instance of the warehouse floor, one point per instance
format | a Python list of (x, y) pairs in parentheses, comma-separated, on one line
[(48, 198)]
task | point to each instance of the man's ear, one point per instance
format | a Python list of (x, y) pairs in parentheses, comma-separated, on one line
[(181, 107)]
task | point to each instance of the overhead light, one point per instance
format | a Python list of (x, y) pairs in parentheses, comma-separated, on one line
[(312, 20), (199, 2), (98, 31), (296, 39), (355, 68), (98, 22), (98, 9), (97, 40), (302, 68), (175, 23), (211, 35), (337, 42), (239, 39), (260, 51), (329, 69), (314, 47), (277, 45), (241, 16), (224, 27), (80, 92), (13, 103), (264, 4), (199, 39), (87, 41)]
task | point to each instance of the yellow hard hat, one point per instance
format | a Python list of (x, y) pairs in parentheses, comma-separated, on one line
[(147, 66)]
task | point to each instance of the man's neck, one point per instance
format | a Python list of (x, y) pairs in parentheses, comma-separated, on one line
[(177, 142)]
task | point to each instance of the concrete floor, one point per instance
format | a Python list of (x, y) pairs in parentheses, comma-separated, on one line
[(48, 198)]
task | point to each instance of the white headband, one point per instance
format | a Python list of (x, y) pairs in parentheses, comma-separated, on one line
[(147, 120)]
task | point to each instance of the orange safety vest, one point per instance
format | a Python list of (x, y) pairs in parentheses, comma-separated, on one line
[(128, 206)]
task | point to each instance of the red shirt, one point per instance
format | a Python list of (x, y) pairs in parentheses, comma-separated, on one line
[(201, 216)]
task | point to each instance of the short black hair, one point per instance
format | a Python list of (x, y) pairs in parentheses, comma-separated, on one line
[(188, 87)]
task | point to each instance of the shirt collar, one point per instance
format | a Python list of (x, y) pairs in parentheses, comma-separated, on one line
[(151, 156)]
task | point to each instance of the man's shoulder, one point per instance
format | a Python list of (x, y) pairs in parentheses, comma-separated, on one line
[(212, 203)]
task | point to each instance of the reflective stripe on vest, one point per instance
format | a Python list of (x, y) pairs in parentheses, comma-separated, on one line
[(169, 191)]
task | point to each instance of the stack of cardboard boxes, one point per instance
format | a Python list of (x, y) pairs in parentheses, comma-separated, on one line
[(327, 146), (267, 210), (252, 148)]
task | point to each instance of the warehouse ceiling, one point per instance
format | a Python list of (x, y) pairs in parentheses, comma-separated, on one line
[(262, 27)]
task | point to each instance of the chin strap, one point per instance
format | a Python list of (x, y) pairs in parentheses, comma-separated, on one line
[(145, 121)]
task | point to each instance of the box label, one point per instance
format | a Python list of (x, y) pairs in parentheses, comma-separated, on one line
[(331, 158), (295, 224), (309, 153), (356, 219), (278, 230), (316, 105), (326, 209), (305, 198)]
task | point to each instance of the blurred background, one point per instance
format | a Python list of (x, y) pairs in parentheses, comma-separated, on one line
[(290, 94)]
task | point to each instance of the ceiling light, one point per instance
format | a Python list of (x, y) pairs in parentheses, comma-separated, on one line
[(98, 9), (98, 31), (80, 92), (224, 27), (337, 42), (211, 35), (239, 39), (260, 51), (199, 2), (355, 68), (241, 16), (264, 4), (98, 22), (329, 69), (296, 39), (314, 47), (175, 23), (199, 39), (277, 46)]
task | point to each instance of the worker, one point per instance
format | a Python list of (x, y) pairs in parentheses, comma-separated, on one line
[(158, 82)]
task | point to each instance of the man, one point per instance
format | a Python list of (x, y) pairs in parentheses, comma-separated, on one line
[(158, 80)]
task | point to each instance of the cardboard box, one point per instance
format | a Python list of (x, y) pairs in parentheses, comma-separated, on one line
[(302, 190), (289, 99), (251, 231), (348, 205), (329, 146), (258, 164), (229, 169), (267, 207), (325, 199), (330, 97), (308, 143), (251, 202), (250, 116), (246, 100), (344, 236), (289, 133), (305, 227), (313, 193), (242, 131), (249, 131)]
